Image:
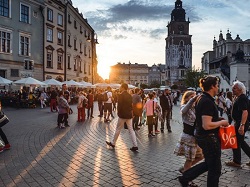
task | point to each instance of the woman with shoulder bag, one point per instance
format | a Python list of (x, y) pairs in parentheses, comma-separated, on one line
[(82, 104), (3, 136)]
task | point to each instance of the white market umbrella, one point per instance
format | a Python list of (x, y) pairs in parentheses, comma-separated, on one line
[(101, 85), (4, 81), (130, 86), (86, 84), (52, 82), (72, 83), (114, 85), (29, 81)]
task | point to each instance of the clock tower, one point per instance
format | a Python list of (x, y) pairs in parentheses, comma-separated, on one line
[(178, 51)]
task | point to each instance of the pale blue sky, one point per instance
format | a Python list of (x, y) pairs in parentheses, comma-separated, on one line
[(135, 30)]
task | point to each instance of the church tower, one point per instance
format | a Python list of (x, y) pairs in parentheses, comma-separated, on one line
[(178, 54)]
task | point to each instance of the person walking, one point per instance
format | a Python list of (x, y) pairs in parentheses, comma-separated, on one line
[(137, 108), (207, 127), (81, 104), (90, 107), (187, 145), (53, 98), (166, 105), (3, 136), (124, 112), (63, 108), (241, 123), (150, 107), (100, 102), (108, 105)]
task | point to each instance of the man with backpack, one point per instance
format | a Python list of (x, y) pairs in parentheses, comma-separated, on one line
[(107, 99)]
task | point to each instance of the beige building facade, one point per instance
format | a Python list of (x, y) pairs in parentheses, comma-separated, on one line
[(130, 73)]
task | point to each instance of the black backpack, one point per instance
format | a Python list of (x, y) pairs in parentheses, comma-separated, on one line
[(105, 97)]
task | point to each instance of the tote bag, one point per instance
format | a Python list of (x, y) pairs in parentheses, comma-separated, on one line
[(228, 137)]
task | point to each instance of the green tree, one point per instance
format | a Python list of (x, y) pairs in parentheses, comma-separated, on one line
[(193, 76), (143, 86), (155, 84)]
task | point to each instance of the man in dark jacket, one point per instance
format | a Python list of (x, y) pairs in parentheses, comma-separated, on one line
[(166, 105), (124, 111)]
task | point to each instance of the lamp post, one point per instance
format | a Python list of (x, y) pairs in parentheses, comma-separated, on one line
[(129, 72), (94, 40)]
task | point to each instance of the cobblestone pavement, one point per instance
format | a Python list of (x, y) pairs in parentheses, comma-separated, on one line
[(43, 155)]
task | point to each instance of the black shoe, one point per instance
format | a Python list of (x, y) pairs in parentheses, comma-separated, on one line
[(99, 115), (110, 144), (67, 125), (169, 130), (151, 135), (92, 116), (112, 116), (182, 181), (134, 148), (162, 130)]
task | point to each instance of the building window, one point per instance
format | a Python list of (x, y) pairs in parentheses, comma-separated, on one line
[(49, 59), (59, 61), (69, 41), (85, 33), (75, 45), (4, 8), (24, 45), (5, 41), (69, 62), (69, 21), (81, 29), (25, 14), (14, 72), (60, 19), (60, 37), (182, 73), (85, 71), (81, 48), (49, 34), (28, 64), (50, 15), (85, 50), (75, 64), (75, 24), (89, 70), (89, 53)]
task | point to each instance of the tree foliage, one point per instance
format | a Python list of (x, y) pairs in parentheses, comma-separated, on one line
[(155, 84), (193, 76)]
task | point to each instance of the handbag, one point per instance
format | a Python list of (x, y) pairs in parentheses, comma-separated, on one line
[(228, 137), (3, 119)]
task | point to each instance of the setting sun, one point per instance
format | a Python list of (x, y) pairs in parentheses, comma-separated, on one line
[(103, 70)]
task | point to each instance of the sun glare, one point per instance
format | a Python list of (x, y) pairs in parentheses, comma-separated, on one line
[(103, 71)]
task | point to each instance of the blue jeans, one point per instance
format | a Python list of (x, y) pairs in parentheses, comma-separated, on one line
[(211, 148)]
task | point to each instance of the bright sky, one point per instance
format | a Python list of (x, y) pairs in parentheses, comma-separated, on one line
[(135, 30)]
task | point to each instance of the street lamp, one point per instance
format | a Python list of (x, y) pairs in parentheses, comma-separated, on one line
[(129, 72), (93, 39)]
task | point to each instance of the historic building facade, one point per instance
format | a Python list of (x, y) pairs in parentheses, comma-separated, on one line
[(21, 39), (178, 50), (156, 74), (54, 42), (229, 59), (130, 73), (46, 39)]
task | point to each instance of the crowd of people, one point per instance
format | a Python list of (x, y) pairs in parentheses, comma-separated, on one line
[(202, 116)]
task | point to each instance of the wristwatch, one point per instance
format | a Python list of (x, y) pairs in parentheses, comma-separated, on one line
[(242, 124)]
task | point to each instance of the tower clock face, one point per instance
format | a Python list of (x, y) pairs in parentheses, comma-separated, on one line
[(181, 27)]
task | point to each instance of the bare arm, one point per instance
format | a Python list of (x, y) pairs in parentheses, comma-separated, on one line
[(207, 123), (243, 121)]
